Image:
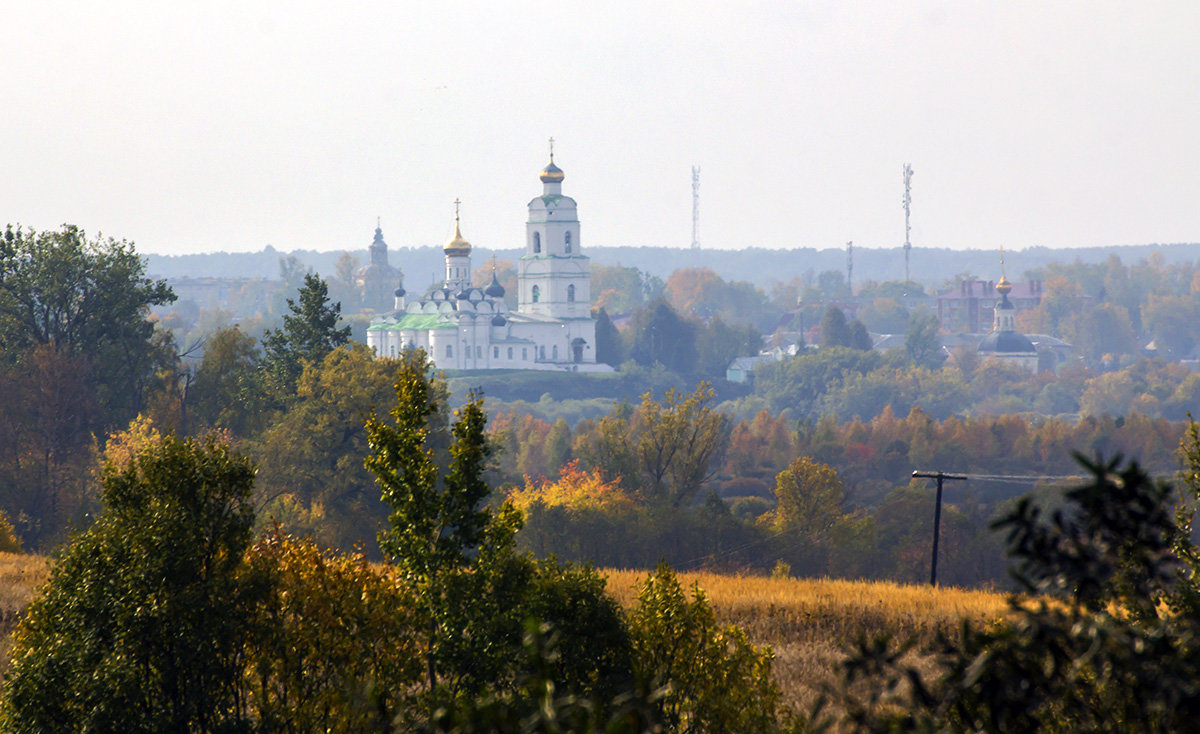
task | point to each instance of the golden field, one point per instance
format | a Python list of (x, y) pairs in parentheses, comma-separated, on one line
[(20, 576), (811, 622), (808, 622)]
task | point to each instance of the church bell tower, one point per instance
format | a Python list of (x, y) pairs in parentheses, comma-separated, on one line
[(554, 277)]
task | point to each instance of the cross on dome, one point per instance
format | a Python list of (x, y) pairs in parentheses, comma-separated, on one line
[(457, 243)]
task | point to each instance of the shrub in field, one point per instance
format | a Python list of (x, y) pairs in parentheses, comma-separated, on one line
[(714, 679), (334, 644), (143, 620)]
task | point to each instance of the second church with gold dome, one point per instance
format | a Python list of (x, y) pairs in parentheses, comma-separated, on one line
[(468, 327)]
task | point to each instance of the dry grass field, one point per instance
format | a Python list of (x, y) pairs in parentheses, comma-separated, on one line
[(20, 576), (811, 622), (808, 622)]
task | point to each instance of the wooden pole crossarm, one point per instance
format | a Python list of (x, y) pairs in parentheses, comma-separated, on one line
[(937, 513)]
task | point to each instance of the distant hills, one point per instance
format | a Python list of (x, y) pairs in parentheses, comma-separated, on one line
[(930, 267)]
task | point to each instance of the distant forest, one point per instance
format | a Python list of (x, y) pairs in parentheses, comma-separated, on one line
[(930, 267)]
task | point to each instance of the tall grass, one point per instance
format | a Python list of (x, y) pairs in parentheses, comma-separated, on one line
[(808, 622), (20, 577), (811, 622)]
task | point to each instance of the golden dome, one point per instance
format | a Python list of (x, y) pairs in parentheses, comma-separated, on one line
[(1004, 287), (457, 243), (552, 173)]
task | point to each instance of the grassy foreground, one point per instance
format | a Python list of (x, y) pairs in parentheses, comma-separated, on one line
[(811, 622), (808, 622)]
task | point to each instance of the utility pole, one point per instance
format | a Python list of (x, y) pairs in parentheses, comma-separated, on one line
[(937, 514), (695, 207), (908, 172)]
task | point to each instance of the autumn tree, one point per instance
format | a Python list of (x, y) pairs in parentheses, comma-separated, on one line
[(809, 499), (334, 649), (620, 290), (605, 446), (311, 474), (679, 443), (50, 411)]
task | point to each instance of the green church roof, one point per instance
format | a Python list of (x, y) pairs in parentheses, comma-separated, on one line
[(415, 321)]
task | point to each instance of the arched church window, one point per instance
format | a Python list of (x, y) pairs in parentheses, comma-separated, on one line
[(537, 294), (571, 293), (495, 352), (510, 352), (555, 353), (537, 241), (542, 352), (567, 240), (449, 350)]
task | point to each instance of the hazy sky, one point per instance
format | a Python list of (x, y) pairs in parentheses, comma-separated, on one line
[(191, 127)]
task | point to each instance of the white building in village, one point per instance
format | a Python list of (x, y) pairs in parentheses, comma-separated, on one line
[(468, 327)]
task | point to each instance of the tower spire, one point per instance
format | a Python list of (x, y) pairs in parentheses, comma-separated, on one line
[(552, 149)]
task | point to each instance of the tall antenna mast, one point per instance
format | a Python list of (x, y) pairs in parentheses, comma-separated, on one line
[(908, 172), (695, 207), (850, 267)]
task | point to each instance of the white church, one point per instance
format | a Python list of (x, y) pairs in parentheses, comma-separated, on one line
[(468, 327)]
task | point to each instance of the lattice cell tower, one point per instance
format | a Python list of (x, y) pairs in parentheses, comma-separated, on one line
[(695, 207), (908, 172)]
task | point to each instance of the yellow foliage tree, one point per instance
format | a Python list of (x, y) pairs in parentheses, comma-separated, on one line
[(575, 489)]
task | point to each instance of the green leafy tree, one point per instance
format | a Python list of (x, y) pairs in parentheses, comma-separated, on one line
[(439, 531), (1101, 330), (800, 383), (1172, 320), (719, 344), (1106, 639), (660, 336), (457, 555), (309, 332), (144, 618), (609, 349), (224, 393), (714, 679), (859, 338), (90, 298), (606, 446), (835, 332), (921, 340)]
